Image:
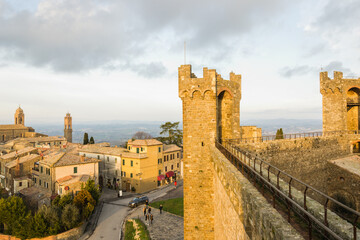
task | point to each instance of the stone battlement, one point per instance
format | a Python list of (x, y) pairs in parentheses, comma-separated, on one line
[(211, 82)]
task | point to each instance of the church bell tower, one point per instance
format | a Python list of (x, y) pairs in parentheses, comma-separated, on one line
[(68, 127)]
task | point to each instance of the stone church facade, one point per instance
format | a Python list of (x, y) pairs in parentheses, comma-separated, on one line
[(18, 129)]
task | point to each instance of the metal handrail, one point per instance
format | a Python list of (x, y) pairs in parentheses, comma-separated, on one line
[(290, 136), (235, 154)]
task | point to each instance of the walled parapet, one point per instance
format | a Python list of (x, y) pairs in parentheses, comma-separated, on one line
[(241, 212), (340, 99)]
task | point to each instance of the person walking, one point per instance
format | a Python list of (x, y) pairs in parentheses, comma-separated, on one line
[(175, 183), (144, 211), (151, 218), (146, 217), (149, 210), (161, 208)]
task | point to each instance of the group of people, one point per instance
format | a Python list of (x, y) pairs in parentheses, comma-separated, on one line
[(147, 213)]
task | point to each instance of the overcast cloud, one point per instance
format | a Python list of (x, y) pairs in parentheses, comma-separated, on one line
[(118, 60)]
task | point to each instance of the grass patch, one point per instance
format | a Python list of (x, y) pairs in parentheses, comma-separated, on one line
[(175, 206), (129, 230), (144, 233)]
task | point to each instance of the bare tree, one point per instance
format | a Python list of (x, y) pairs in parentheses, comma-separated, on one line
[(142, 135)]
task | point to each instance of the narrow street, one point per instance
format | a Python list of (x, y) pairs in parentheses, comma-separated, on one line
[(113, 214)]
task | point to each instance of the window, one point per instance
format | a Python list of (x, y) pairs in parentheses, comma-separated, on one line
[(178, 154), (44, 184), (98, 156), (48, 171), (129, 148), (178, 165), (34, 180), (137, 150), (20, 184), (159, 172), (41, 169), (131, 175), (159, 149), (123, 161), (172, 167), (142, 149), (47, 185), (75, 169), (107, 158), (132, 163), (115, 172), (165, 169), (40, 182), (124, 174), (115, 160), (159, 160)]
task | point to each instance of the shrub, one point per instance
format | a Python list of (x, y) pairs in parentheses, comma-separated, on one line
[(92, 189), (70, 216), (85, 202)]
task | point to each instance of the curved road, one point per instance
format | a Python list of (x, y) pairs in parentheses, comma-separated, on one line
[(113, 214)]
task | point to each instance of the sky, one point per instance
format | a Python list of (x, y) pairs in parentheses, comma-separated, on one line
[(105, 60)]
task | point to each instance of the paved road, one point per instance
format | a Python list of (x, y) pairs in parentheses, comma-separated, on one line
[(113, 214)]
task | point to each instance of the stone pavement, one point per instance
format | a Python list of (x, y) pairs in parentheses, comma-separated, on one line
[(165, 226)]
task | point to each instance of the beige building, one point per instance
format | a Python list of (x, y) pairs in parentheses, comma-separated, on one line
[(49, 173), (18, 129), (172, 162), (110, 165), (18, 172)]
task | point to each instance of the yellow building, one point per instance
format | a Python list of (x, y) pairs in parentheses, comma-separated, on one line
[(172, 162), (142, 165)]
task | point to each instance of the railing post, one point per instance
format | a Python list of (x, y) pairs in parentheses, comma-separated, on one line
[(354, 227), (305, 207), (325, 212)]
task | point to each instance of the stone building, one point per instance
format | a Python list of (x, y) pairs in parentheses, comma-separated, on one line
[(18, 129), (68, 127), (211, 110), (54, 167), (340, 102)]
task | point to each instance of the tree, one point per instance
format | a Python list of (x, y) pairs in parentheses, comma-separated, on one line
[(92, 141), (85, 202), (14, 214), (92, 189), (65, 200), (70, 216), (142, 135), (86, 139), (279, 134), (172, 135)]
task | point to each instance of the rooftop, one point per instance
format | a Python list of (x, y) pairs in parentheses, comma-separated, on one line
[(350, 163), (73, 178), (72, 159), (19, 152), (13, 127), (171, 148), (145, 142), (103, 150), (44, 139), (22, 160)]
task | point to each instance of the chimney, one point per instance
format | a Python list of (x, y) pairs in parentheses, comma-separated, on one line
[(82, 158)]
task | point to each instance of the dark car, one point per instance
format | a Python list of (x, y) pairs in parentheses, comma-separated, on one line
[(138, 201)]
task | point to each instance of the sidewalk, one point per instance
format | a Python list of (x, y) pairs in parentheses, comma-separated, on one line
[(164, 226)]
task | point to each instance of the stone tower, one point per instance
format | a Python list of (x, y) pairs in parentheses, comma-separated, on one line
[(19, 116), (68, 127), (211, 109), (340, 102)]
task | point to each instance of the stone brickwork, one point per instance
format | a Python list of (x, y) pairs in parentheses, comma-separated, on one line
[(211, 109), (68, 127), (250, 132), (340, 100), (241, 212), (309, 160)]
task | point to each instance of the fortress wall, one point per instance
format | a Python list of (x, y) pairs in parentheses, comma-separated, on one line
[(240, 211), (308, 160)]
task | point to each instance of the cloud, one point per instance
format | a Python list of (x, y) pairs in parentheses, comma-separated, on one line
[(289, 72), (78, 35)]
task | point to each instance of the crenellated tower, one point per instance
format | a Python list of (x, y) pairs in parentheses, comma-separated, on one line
[(68, 127), (19, 116), (211, 109), (340, 102)]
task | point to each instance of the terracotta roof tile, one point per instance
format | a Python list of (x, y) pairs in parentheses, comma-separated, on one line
[(145, 142)]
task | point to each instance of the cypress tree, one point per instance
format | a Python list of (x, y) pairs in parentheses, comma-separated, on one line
[(92, 141)]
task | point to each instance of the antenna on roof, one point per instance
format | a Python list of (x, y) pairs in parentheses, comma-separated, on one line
[(184, 52)]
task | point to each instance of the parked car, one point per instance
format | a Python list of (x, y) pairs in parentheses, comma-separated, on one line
[(138, 201)]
